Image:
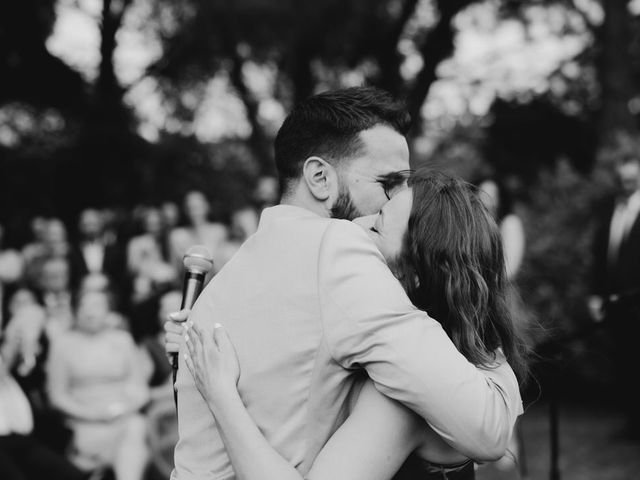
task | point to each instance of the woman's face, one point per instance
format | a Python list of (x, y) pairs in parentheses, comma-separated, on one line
[(196, 206), (489, 195), (153, 222), (93, 310), (388, 228)]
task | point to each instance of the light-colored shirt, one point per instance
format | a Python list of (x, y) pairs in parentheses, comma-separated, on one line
[(308, 302), (623, 218), (15, 411)]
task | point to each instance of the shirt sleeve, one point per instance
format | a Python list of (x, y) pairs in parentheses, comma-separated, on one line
[(369, 322)]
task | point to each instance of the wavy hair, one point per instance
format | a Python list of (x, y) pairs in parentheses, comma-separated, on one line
[(452, 266)]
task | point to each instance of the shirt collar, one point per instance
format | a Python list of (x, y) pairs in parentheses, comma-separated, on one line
[(271, 214)]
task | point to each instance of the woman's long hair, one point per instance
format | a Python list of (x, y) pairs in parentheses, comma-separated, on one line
[(452, 266)]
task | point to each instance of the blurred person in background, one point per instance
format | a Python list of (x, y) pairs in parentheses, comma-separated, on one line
[(267, 192), (197, 230), (11, 272), (159, 372), (37, 226), (243, 224), (94, 378), (55, 291), (498, 200), (54, 244), (97, 251), (148, 261), (615, 284), (22, 455), (170, 214), (25, 348)]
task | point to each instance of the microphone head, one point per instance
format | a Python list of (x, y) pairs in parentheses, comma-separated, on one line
[(198, 259)]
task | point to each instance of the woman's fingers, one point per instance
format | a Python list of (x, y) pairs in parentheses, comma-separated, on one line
[(221, 338), (172, 327)]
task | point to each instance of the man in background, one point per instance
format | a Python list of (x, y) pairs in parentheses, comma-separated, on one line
[(616, 277)]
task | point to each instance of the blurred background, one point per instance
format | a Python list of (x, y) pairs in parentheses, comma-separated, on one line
[(132, 129)]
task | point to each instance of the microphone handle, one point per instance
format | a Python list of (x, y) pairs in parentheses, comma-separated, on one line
[(191, 288)]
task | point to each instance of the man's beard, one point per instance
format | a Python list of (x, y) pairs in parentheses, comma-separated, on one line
[(344, 208)]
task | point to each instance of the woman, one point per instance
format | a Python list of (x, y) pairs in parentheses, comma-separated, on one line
[(499, 203), (95, 381), (148, 263), (445, 249), (198, 229)]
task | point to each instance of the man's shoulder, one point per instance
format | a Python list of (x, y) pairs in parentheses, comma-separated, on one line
[(347, 235)]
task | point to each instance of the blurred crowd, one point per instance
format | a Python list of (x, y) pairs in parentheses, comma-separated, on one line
[(84, 381)]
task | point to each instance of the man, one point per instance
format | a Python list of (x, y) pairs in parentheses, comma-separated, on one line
[(309, 301), (616, 276), (96, 251)]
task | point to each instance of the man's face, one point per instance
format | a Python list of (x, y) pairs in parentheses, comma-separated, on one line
[(629, 175), (90, 224), (55, 276), (374, 175)]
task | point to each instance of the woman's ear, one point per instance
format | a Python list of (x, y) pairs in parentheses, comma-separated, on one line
[(319, 176)]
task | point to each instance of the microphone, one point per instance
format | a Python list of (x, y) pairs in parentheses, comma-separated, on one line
[(197, 262)]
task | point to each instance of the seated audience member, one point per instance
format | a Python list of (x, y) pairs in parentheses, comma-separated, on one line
[(25, 349), (22, 455), (197, 230), (266, 192), (148, 257), (95, 380), (54, 244), (11, 272), (170, 214), (97, 251), (98, 282), (159, 372), (33, 248), (243, 223), (24, 331), (56, 294)]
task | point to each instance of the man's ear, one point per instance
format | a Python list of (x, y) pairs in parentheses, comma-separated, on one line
[(319, 176)]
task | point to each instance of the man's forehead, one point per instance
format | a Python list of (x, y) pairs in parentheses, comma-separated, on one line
[(378, 168), (383, 151)]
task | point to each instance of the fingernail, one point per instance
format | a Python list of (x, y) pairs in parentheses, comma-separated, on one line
[(217, 325)]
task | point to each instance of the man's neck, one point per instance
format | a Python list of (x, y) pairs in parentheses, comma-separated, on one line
[(307, 202)]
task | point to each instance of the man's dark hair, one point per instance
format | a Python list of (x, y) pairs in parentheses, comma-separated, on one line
[(328, 124)]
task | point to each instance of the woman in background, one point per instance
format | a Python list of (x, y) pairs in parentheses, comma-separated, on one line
[(94, 379)]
